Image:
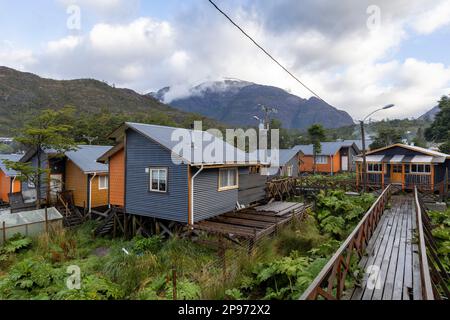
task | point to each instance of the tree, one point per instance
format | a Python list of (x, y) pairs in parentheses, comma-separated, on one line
[(316, 134), (439, 131), (48, 130), (386, 137), (419, 139)]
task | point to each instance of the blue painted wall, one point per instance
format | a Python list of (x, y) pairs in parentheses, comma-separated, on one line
[(208, 201), (142, 153)]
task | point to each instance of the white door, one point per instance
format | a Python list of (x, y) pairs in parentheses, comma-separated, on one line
[(344, 163)]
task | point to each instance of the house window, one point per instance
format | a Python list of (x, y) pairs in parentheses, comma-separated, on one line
[(31, 185), (158, 180), (289, 171), (420, 168), (254, 170), (102, 182), (397, 168), (374, 167), (228, 179), (321, 160)]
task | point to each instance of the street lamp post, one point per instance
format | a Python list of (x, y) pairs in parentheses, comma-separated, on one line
[(363, 138)]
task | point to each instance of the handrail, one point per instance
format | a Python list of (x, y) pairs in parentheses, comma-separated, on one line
[(427, 290), (338, 266), (433, 273)]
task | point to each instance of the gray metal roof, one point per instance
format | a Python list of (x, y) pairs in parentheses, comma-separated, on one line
[(170, 138), (287, 154), (10, 157), (328, 148), (85, 158), (358, 143)]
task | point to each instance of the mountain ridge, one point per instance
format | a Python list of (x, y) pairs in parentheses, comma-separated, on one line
[(236, 102)]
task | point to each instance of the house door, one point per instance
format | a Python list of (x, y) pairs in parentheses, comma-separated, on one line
[(396, 173), (344, 163), (56, 186)]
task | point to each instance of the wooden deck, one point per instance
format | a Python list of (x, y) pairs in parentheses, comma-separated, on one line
[(253, 223), (391, 265)]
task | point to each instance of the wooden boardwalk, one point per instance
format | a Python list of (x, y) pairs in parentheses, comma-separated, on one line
[(391, 265)]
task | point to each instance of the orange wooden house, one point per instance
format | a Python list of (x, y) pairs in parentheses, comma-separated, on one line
[(8, 182), (115, 158), (334, 157), (77, 171)]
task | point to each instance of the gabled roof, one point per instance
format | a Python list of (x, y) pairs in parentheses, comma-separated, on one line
[(328, 148), (85, 158), (287, 154), (170, 137), (10, 157), (358, 143), (413, 148)]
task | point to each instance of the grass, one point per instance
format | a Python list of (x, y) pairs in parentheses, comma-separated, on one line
[(291, 258)]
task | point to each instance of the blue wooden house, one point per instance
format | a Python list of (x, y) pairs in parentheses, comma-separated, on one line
[(154, 174)]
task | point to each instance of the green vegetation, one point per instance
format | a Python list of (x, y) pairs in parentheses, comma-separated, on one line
[(316, 134), (441, 233), (280, 267), (440, 129)]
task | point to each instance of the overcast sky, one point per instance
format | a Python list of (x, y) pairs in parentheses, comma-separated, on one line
[(356, 54)]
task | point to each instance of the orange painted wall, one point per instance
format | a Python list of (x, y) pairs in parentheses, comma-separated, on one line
[(77, 182), (5, 186), (117, 179), (307, 164)]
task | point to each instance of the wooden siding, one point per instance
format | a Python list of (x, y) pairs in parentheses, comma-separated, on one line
[(252, 186), (142, 153), (307, 164), (76, 181), (295, 167), (5, 186), (208, 201), (99, 197), (117, 179)]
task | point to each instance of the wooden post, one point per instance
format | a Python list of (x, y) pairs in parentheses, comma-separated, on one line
[(4, 232), (382, 176), (446, 183), (46, 220), (403, 177), (174, 282)]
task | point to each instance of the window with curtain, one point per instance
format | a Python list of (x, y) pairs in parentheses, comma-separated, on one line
[(158, 179), (228, 179)]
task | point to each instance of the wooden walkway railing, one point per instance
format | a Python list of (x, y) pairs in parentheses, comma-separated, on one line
[(434, 277), (330, 283)]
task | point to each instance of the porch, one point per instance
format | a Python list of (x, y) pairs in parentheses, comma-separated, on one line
[(406, 175)]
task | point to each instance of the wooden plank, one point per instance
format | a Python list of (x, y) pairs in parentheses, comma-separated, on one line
[(384, 267), (225, 228), (396, 255), (383, 254), (417, 286), (243, 222), (399, 286), (254, 216), (371, 251), (408, 282)]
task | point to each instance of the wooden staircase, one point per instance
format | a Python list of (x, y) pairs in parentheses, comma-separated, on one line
[(72, 216), (110, 223)]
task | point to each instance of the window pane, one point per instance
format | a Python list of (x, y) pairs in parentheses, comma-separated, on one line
[(223, 178), (427, 168), (232, 178), (154, 179)]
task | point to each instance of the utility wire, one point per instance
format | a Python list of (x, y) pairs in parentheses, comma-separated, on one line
[(266, 52)]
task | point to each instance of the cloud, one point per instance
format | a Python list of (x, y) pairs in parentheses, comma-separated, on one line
[(327, 44), (18, 58), (433, 19), (112, 9)]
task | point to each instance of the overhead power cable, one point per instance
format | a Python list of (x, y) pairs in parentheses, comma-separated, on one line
[(266, 52)]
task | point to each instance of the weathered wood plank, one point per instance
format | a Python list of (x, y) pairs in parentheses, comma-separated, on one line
[(399, 287), (408, 282)]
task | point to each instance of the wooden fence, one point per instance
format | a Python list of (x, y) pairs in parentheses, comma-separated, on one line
[(330, 283)]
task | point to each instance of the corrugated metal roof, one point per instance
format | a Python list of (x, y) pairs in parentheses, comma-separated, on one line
[(10, 157), (328, 148), (170, 138), (286, 155), (85, 157), (358, 143)]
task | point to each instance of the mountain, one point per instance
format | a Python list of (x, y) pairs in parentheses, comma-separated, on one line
[(236, 102), (22, 94), (430, 115)]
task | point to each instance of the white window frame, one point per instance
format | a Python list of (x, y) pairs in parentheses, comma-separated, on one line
[(31, 185), (151, 170), (230, 171), (321, 159), (411, 171), (105, 179), (375, 171)]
